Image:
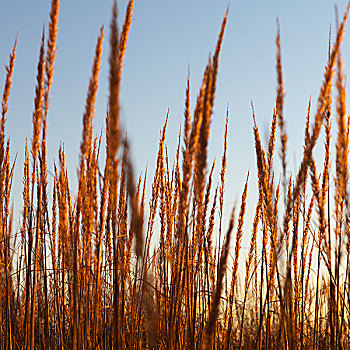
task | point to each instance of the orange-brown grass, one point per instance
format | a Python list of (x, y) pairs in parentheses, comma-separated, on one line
[(93, 273)]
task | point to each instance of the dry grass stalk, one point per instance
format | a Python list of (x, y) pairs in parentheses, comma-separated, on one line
[(38, 103), (125, 34), (279, 107), (222, 178), (51, 54), (272, 140), (214, 308), (5, 97), (239, 236)]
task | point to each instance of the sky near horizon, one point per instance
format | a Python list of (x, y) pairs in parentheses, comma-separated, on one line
[(168, 39)]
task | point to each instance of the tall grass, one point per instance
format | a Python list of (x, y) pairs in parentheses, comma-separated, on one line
[(86, 273)]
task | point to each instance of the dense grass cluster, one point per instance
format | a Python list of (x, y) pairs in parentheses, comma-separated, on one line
[(85, 272)]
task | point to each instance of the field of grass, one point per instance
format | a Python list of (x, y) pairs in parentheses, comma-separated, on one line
[(85, 270)]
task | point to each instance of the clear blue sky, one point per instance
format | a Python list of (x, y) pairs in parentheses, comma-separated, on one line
[(166, 38)]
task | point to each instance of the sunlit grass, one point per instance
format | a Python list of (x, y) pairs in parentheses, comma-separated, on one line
[(90, 270)]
